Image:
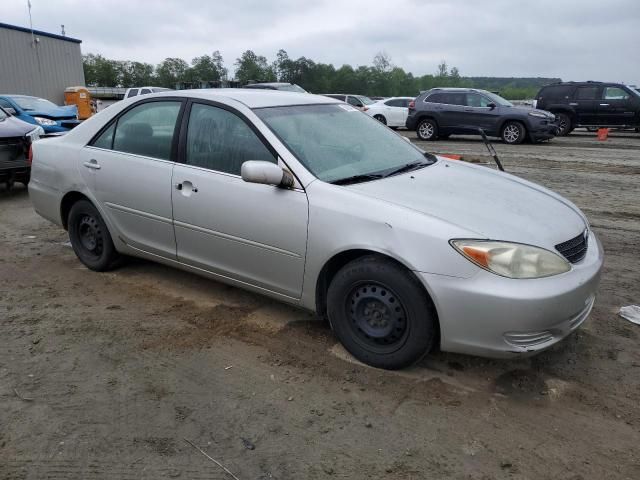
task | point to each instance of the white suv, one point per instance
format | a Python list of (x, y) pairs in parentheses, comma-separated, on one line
[(132, 92), (391, 111)]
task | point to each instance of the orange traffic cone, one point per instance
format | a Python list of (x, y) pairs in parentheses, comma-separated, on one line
[(603, 133)]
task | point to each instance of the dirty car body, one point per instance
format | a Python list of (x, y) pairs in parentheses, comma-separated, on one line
[(312, 202)]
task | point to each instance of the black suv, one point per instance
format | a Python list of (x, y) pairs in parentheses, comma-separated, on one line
[(590, 104), (440, 112)]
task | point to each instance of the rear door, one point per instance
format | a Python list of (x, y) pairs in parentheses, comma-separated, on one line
[(254, 234), (617, 106), (450, 109), (585, 104), (129, 165), (395, 112)]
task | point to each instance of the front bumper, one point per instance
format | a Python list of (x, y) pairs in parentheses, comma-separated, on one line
[(494, 316), (543, 130)]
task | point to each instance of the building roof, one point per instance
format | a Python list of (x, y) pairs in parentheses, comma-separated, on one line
[(251, 97), (40, 33)]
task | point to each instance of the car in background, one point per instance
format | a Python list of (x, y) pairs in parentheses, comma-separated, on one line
[(392, 111), (135, 91), (306, 200), (41, 112), (361, 102), (16, 137), (440, 112), (591, 105), (284, 86)]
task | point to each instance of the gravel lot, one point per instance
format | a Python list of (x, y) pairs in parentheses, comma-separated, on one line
[(106, 375)]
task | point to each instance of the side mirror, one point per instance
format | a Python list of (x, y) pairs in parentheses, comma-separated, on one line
[(492, 105), (10, 110), (267, 173)]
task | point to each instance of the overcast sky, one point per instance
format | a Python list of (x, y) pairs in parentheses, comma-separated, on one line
[(570, 39)]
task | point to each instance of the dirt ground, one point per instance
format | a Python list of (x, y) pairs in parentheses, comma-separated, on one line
[(107, 375)]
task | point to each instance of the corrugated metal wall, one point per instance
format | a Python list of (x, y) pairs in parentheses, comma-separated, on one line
[(42, 71)]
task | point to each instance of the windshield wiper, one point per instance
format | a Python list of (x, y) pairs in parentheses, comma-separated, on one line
[(357, 178), (408, 167)]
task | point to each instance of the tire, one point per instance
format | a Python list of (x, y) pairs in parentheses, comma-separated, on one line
[(380, 118), (90, 237), (427, 129), (513, 133), (565, 124), (381, 313)]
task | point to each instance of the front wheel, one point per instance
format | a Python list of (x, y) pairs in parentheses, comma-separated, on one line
[(90, 237), (427, 129), (380, 313), (513, 133)]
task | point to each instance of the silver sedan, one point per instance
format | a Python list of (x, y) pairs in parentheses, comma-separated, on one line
[(307, 200)]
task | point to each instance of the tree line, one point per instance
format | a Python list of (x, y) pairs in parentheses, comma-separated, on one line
[(381, 78)]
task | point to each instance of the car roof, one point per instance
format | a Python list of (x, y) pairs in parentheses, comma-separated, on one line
[(270, 84), (252, 97)]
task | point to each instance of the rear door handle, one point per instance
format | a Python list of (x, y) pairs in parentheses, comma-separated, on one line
[(92, 164), (604, 104), (186, 186)]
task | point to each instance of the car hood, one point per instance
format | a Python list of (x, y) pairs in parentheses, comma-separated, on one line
[(525, 110), (484, 203), (67, 111), (14, 127)]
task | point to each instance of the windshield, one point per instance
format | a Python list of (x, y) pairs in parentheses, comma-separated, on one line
[(34, 103), (335, 142), (498, 100), (292, 88)]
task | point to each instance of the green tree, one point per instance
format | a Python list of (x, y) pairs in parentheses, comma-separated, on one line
[(208, 68), (100, 72), (171, 71), (253, 67)]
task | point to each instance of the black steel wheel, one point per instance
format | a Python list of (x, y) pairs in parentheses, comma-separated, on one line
[(381, 313), (90, 237)]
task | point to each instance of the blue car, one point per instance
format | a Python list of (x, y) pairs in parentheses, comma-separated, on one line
[(38, 111)]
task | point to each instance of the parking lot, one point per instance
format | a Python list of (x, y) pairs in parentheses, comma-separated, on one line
[(109, 375)]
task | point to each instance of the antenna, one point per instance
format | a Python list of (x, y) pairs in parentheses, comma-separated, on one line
[(33, 40), (63, 33)]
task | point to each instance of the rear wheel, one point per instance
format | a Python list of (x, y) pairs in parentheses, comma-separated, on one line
[(381, 313), (90, 237), (427, 129), (380, 118), (513, 133), (565, 124)]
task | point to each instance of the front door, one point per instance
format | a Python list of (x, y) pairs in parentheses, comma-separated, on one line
[(129, 168), (255, 234), (478, 114), (617, 106)]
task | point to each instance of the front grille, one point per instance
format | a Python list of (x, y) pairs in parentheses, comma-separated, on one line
[(575, 249)]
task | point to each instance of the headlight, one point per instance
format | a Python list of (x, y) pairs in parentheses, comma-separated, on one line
[(512, 260), (45, 121), (539, 114), (35, 134)]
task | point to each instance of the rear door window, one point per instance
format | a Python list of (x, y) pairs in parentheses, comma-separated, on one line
[(396, 102), (586, 93), (436, 98), (147, 130), (144, 91)]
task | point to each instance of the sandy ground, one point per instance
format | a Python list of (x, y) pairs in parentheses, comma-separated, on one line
[(106, 375)]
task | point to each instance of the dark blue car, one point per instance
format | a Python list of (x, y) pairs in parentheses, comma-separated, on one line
[(38, 111)]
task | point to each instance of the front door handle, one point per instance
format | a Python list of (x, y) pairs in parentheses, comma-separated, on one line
[(92, 164), (604, 104), (186, 187)]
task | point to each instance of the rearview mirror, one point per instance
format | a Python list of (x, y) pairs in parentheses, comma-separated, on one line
[(267, 173), (492, 105)]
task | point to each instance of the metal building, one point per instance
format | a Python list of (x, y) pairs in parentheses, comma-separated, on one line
[(38, 63)]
